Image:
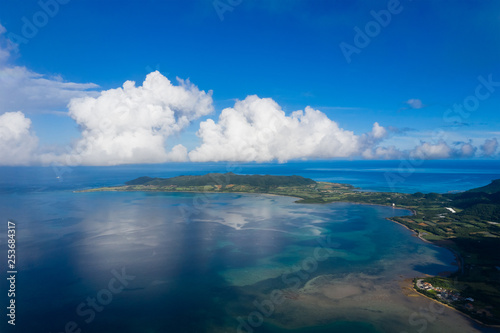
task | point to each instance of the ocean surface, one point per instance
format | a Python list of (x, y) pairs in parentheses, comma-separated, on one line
[(185, 262), (395, 176)]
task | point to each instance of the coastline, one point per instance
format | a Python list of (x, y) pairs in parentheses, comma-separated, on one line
[(201, 192), (460, 267), (457, 310), (442, 244), (457, 255), (261, 193), (417, 234)]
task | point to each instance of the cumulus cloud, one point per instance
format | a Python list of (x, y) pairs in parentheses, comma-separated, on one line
[(428, 151), (178, 153), (17, 142), (442, 150), (130, 124), (383, 153), (466, 150), (257, 129), (489, 147), (28, 91), (378, 132)]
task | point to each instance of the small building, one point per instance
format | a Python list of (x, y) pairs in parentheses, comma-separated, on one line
[(484, 312)]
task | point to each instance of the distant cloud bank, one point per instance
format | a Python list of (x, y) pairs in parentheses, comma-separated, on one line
[(133, 124)]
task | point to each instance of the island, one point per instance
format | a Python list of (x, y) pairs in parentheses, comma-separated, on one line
[(467, 223)]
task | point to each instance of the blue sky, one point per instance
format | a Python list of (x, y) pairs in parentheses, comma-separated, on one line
[(430, 53)]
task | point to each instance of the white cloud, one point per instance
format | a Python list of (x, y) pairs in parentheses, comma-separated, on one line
[(131, 124), (17, 142), (384, 153), (28, 91), (415, 103), (441, 150), (428, 151), (256, 129), (22, 89), (489, 147), (178, 153), (378, 132), (467, 150)]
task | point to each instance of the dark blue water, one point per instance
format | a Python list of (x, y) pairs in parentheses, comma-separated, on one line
[(183, 262), (394, 176)]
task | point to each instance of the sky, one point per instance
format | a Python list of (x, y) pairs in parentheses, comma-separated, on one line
[(86, 82)]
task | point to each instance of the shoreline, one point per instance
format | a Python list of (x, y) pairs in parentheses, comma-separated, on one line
[(200, 192), (460, 267), (458, 257), (457, 310), (417, 234), (261, 193)]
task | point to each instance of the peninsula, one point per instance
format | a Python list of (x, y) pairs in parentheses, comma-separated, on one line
[(467, 223)]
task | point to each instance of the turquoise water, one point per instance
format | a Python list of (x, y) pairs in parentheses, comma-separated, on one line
[(201, 262), (196, 267)]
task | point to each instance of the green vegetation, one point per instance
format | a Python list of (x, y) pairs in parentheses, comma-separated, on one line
[(473, 232), (306, 189), (443, 282), (225, 179), (494, 187), (468, 223)]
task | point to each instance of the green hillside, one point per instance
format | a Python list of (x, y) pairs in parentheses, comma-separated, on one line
[(493, 187), (224, 179)]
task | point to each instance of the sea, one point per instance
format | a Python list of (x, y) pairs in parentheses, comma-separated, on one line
[(205, 262)]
